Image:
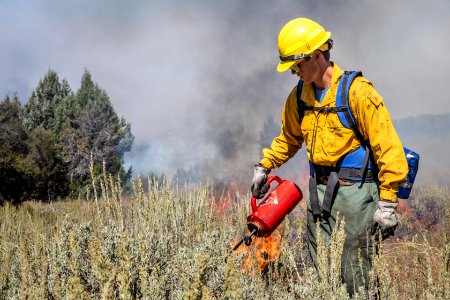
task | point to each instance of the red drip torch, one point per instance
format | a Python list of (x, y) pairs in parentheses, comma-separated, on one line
[(271, 211)]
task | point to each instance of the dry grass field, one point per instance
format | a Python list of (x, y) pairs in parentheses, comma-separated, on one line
[(173, 243)]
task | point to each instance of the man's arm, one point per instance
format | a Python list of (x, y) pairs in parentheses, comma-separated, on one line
[(375, 124)]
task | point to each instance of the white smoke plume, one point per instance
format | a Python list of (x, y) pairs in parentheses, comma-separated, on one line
[(197, 79)]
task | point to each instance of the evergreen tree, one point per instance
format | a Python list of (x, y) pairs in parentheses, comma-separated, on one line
[(93, 131), (43, 167), (47, 146), (12, 151), (43, 120), (39, 111), (63, 111)]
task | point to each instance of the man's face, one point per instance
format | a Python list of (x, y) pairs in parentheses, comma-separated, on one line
[(307, 69)]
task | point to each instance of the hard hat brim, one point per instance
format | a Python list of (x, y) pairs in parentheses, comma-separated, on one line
[(283, 66)]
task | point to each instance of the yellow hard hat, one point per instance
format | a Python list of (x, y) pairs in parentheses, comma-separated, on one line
[(299, 38)]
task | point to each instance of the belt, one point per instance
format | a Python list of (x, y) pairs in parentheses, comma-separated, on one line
[(342, 182), (332, 178), (347, 174)]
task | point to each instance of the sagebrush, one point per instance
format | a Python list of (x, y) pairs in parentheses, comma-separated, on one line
[(174, 243)]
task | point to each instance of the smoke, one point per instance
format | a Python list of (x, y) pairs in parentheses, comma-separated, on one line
[(197, 79)]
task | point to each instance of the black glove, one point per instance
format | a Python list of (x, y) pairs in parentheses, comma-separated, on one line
[(259, 188)]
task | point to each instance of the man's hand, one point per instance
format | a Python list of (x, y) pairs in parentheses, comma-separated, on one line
[(259, 188), (386, 217)]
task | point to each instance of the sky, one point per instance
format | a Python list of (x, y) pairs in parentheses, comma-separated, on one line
[(197, 79)]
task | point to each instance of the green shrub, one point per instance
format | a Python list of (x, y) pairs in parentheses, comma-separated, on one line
[(165, 243)]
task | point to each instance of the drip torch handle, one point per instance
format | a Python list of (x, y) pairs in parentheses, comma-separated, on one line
[(276, 178), (269, 181), (253, 204)]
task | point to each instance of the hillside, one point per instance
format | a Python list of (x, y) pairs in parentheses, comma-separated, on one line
[(429, 136)]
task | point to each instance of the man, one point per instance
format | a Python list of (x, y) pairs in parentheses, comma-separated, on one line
[(364, 194)]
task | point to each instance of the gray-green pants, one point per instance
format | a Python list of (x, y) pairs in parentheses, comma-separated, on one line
[(356, 204)]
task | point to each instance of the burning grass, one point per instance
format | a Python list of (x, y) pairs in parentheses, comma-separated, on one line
[(166, 243)]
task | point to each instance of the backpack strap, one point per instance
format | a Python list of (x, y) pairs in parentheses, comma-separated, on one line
[(302, 107), (346, 116)]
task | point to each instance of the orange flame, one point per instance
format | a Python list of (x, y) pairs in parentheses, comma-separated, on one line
[(265, 250)]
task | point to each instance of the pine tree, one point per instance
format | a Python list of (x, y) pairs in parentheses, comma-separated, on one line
[(43, 119), (47, 146), (12, 151), (94, 131), (39, 111), (43, 167), (63, 111)]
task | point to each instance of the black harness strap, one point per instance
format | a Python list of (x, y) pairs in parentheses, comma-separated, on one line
[(314, 196), (331, 188), (332, 185), (367, 176), (302, 105)]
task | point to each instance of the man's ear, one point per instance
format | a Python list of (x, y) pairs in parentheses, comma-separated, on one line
[(317, 54)]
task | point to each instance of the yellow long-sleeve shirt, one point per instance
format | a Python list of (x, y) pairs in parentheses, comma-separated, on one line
[(327, 140)]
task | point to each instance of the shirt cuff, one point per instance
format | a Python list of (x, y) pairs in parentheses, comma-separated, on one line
[(266, 163), (388, 196)]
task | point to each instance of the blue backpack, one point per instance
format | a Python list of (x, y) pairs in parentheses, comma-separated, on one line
[(359, 164)]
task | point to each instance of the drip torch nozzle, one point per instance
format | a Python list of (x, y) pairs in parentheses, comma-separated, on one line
[(247, 239)]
